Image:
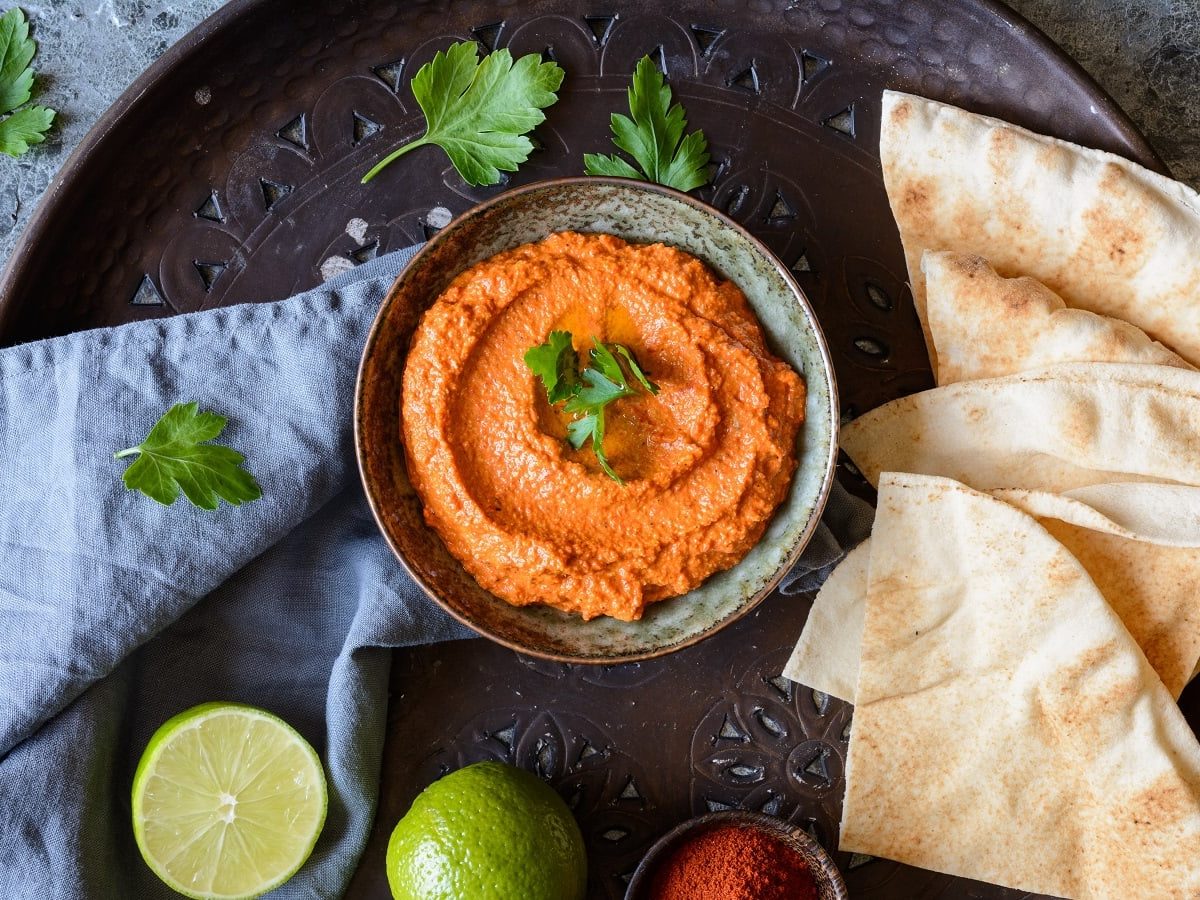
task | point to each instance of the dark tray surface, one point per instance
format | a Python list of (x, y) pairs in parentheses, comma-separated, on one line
[(229, 171)]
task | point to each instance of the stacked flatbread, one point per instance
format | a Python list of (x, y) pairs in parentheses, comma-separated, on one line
[(1015, 633)]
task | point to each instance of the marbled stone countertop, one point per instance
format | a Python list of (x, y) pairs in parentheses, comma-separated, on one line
[(1146, 53)]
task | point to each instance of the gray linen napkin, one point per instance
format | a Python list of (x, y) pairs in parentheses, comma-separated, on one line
[(289, 603)]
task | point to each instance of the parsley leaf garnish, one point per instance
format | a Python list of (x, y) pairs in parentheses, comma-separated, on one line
[(175, 456), (654, 137), (480, 111), (598, 391), (29, 125), (635, 369), (591, 427), (557, 364), (588, 394)]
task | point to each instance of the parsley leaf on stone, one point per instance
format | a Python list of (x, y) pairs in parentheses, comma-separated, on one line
[(16, 53), (29, 125), (479, 111), (176, 456), (23, 128), (556, 363), (654, 137)]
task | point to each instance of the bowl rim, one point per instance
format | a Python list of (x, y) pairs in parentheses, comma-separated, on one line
[(828, 876), (798, 295)]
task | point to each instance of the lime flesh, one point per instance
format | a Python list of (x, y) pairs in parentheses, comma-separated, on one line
[(228, 801), (487, 832)]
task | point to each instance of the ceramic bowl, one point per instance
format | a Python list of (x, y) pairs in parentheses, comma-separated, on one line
[(830, 884), (637, 212)]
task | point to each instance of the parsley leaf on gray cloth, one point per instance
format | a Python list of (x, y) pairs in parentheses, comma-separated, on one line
[(176, 456), (29, 125), (654, 137), (479, 111)]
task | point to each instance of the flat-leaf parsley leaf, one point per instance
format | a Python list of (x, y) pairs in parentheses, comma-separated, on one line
[(29, 125), (598, 390), (587, 394), (480, 111), (634, 368), (557, 364), (591, 427), (176, 456), (654, 137)]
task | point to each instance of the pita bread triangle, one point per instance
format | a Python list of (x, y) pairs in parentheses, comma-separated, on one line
[(985, 326), (1105, 234), (1053, 429), (1151, 579), (1007, 727)]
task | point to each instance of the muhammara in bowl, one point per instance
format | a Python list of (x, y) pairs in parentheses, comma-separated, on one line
[(595, 419)]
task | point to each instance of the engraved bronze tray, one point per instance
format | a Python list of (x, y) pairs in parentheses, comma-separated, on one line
[(229, 173)]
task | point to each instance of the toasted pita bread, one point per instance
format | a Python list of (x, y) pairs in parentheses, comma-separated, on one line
[(1165, 513), (1007, 727), (826, 656), (986, 326), (1151, 580), (1103, 233), (1053, 429)]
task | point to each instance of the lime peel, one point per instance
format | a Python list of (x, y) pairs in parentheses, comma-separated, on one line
[(485, 831)]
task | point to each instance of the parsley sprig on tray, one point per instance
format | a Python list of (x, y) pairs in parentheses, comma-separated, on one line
[(479, 111), (612, 374), (654, 137)]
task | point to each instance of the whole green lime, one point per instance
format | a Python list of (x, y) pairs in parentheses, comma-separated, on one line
[(487, 832)]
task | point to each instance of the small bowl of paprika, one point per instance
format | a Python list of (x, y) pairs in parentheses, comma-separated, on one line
[(736, 855)]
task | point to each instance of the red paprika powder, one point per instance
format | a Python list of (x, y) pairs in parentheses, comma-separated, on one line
[(733, 863)]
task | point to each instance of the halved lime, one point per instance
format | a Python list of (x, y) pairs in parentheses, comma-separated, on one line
[(228, 801)]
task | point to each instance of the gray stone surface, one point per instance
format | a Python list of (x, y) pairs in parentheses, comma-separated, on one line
[(88, 53), (1146, 53)]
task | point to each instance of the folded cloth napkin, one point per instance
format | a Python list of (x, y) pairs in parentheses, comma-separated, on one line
[(116, 612)]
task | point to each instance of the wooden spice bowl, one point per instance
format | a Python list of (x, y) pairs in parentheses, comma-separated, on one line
[(830, 884)]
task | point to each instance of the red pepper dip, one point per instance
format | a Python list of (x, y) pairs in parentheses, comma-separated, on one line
[(733, 863)]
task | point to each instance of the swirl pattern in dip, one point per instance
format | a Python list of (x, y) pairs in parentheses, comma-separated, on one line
[(705, 461)]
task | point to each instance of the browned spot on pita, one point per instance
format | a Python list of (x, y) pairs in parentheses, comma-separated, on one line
[(916, 206), (1114, 237), (1115, 229), (1061, 572), (1088, 688), (1090, 659), (1116, 342), (1081, 425), (1023, 293), (1049, 156), (901, 112), (1002, 145), (1167, 800), (967, 264)]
